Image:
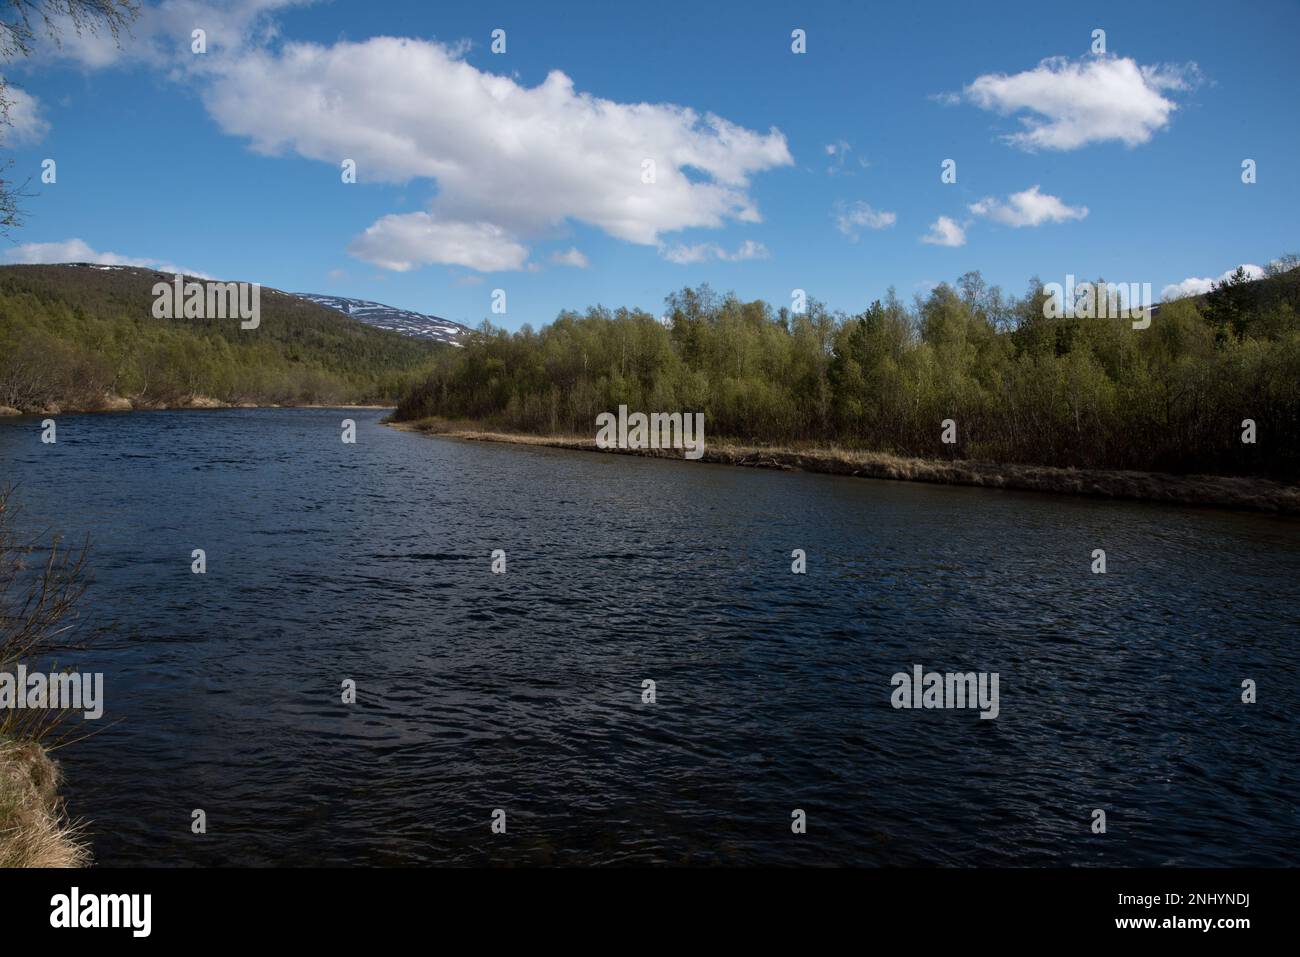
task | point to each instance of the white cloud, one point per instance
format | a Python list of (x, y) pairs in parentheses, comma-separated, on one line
[(1065, 104), (703, 252), (1029, 207), (571, 257), (23, 112), (522, 159), (78, 251), (510, 162), (1193, 286), (852, 219), (945, 232), (403, 241)]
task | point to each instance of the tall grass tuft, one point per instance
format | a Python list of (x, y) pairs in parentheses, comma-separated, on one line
[(41, 584)]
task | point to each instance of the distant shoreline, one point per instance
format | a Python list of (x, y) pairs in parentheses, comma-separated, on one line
[(1214, 491), (189, 403)]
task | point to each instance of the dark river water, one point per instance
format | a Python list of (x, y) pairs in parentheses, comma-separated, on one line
[(523, 691)]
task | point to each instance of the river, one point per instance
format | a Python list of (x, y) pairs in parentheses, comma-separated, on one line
[(523, 691)]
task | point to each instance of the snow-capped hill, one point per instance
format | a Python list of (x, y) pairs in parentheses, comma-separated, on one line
[(415, 324)]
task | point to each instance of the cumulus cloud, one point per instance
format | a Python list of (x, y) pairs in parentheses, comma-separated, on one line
[(522, 160), (403, 241), (78, 251), (851, 219), (1030, 207), (23, 112), (1194, 286), (945, 231), (571, 257), (703, 252), (510, 163), (1065, 104)]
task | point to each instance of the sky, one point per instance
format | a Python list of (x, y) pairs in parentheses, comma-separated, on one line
[(613, 153)]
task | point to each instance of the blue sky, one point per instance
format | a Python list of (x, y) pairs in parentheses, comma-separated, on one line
[(477, 172)]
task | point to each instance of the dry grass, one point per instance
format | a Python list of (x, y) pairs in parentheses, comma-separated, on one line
[(1208, 490), (41, 583), (33, 829)]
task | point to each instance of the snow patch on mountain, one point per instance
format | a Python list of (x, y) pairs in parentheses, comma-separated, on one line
[(408, 323)]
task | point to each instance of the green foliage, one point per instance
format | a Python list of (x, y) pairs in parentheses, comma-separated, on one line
[(1023, 388), (73, 335)]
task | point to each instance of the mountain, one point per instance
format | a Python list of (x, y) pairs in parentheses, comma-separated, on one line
[(83, 336), (408, 323)]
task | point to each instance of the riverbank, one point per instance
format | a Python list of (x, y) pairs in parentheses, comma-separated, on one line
[(33, 831), (117, 403), (1215, 491)]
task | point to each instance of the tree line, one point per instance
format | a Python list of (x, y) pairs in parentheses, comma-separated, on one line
[(1021, 388)]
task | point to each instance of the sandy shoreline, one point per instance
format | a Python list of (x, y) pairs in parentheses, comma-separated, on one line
[(1215, 491)]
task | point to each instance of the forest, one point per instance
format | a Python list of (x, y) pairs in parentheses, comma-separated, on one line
[(72, 336), (1021, 388)]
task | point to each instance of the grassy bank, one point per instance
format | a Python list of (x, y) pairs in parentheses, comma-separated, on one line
[(1208, 490), (33, 829)]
